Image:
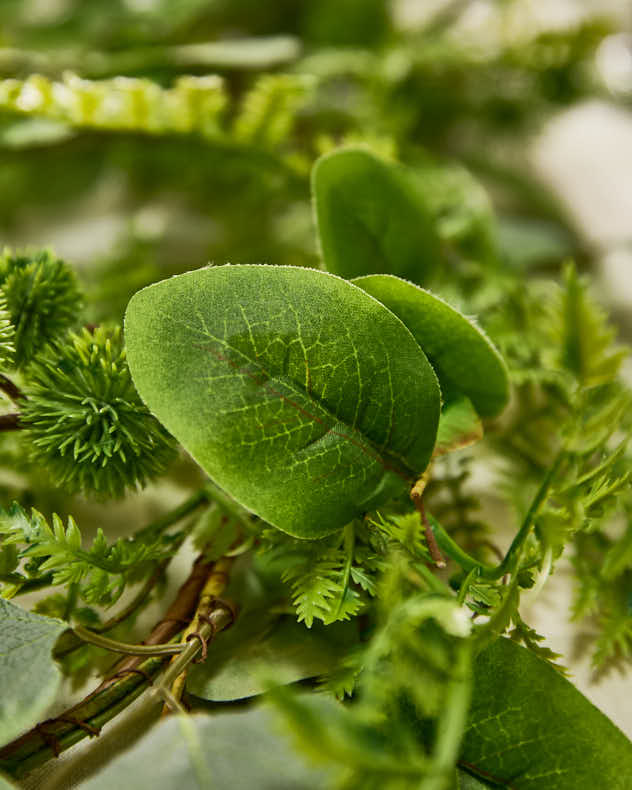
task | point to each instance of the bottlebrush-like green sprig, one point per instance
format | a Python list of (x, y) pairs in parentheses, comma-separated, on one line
[(7, 335), (42, 296), (85, 421)]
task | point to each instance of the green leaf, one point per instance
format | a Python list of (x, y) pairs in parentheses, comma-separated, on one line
[(255, 655), (371, 218), (465, 781), (530, 729), (300, 395), (237, 750), (459, 426), (462, 356), (29, 677), (5, 784)]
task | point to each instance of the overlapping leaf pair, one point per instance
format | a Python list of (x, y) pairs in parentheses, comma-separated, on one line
[(308, 398)]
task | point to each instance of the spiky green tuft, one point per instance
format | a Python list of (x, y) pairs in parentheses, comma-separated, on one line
[(42, 296), (7, 335), (85, 421)]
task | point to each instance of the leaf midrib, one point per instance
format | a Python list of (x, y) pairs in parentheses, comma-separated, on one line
[(398, 464)]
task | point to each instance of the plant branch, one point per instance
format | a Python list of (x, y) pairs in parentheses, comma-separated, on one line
[(11, 389), (416, 495), (211, 616), (123, 647), (128, 679), (10, 422), (71, 642)]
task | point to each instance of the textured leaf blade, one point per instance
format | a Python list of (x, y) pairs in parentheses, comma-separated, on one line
[(243, 749), (463, 357), (29, 677), (248, 661), (300, 395), (371, 218), (531, 729)]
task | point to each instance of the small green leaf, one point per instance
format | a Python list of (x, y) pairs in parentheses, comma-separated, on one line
[(243, 749), (530, 729), (459, 426), (5, 784), (29, 677), (304, 398), (256, 654), (371, 218), (462, 356)]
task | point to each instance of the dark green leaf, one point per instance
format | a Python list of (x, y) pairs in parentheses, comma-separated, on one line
[(463, 357), (530, 729), (29, 677), (304, 398), (371, 218)]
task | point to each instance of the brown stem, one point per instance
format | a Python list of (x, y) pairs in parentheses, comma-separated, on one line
[(417, 496), (11, 389), (208, 601), (127, 680), (10, 422)]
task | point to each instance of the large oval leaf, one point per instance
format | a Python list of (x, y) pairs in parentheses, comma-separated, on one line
[(371, 218), (530, 729), (463, 357), (303, 397), (29, 678), (234, 751)]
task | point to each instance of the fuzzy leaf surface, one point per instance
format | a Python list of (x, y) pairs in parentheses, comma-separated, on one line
[(304, 398), (531, 729), (464, 359), (371, 218), (29, 677), (252, 657), (225, 752)]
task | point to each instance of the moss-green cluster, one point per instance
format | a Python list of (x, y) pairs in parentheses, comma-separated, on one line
[(86, 423)]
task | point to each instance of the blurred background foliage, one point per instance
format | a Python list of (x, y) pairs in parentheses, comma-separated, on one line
[(111, 173)]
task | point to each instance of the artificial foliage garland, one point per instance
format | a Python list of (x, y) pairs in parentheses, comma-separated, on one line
[(423, 647)]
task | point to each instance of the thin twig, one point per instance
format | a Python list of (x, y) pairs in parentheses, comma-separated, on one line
[(123, 647), (11, 389), (10, 422), (416, 495)]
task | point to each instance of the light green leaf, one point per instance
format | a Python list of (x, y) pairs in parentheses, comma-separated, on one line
[(5, 784), (304, 398), (530, 729), (255, 655), (459, 426), (371, 218), (233, 751), (462, 356), (29, 677), (465, 781)]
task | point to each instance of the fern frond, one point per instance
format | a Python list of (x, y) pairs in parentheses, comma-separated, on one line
[(269, 109), (100, 573), (7, 335), (531, 639), (587, 347), (192, 105), (318, 591)]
